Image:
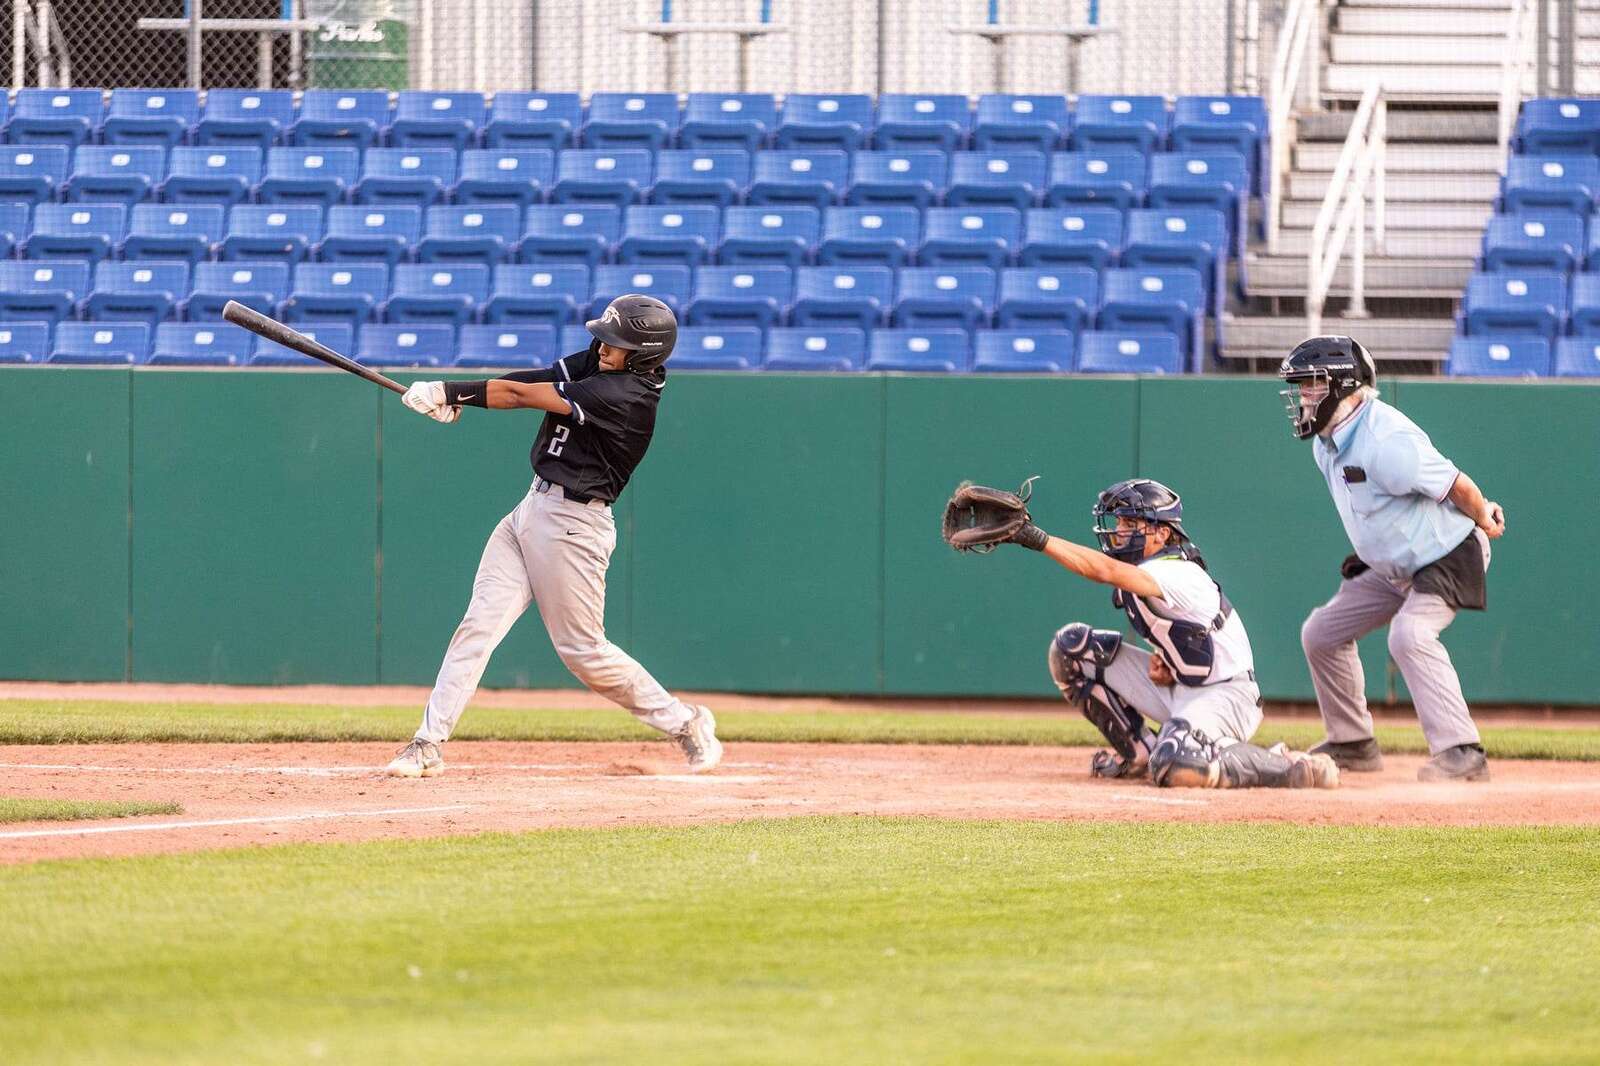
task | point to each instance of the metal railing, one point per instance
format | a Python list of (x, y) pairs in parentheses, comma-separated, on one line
[(1361, 159), (1299, 36), (36, 24), (1514, 67)]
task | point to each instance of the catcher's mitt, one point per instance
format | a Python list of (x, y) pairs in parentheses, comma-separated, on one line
[(977, 518)]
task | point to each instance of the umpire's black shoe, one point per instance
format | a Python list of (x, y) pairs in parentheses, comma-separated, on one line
[(1357, 756), (1464, 762)]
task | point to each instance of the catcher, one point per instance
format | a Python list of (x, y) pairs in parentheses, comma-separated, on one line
[(1198, 685)]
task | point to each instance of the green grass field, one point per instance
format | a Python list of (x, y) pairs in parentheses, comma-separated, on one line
[(820, 940), (13, 809)]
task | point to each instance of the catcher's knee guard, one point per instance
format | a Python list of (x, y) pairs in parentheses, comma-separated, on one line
[(1187, 758), (1078, 659)]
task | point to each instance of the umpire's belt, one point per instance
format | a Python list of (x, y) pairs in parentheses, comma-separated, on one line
[(541, 484)]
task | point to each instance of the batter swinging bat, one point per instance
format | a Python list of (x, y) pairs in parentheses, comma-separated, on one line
[(273, 330)]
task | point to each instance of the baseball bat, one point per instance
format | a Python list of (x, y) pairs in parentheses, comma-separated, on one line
[(273, 330)]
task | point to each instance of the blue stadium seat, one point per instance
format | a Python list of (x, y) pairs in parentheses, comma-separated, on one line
[(741, 296), (1062, 236), (945, 298), (816, 177), (1555, 126), (728, 120), (1557, 183), (245, 117), (549, 295), (94, 343), (684, 235), (160, 117), (1196, 238), (24, 342), (610, 177), (66, 117), (1115, 179), (821, 120), (911, 179), (215, 174), (1007, 122), (322, 176), (407, 344), (858, 296), (717, 348), (32, 172), (1129, 352), (1023, 351), (1187, 179), (341, 338), (174, 231), (436, 120), (285, 232), (1508, 357), (260, 286), (340, 118), (1533, 242), (371, 234), (1170, 300), (573, 339), (470, 233), (1226, 123), (718, 177), (969, 236), (1577, 357), (344, 293), (672, 285), (631, 120), (1032, 298), (436, 293), (505, 176), (14, 226), (825, 348), (997, 179), (861, 236), (43, 292), (1524, 302), (137, 292), (920, 350), (523, 120), (419, 176), (514, 346), (907, 122), (76, 231), (201, 344), (573, 233), (121, 174), (770, 234), (1585, 306), (1102, 123)]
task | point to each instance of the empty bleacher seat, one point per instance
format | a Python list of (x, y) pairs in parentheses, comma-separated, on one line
[(1022, 351), (939, 297), (139, 292), (1585, 306), (435, 293), (631, 120), (101, 342), (436, 120), (1129, 352), (517, 345), (524, 120), (603, 177), (858, 296), (201, 344), (1007, 122), (160, 117), (24, 342), (318, 175), (825, 120), (548, 294), (1217, 180), (672, 285), (1104, 122), (914, 179), (14, 226), (345, 293), (908, 121), (1195, 237), (920, 350), (1035, 298), (706, 176), (817, 177), (213, 174), (969, 236), (505, 176), (1171, 299), (728, 120), (407, 344), (419, 176), (123, 174), (338, 336), (1489, 357), (1533, 242), (1560, 183), (239, 117), (1577, 357), (340, 118), (997, 179), (43, 292), (1500, 305), (653, 234), (173, 231), (1117, 179), (570, 233), (1063, 236), (32, 172), (573, 339), (1230, 123), (470, 233), (371, 233), (858, 236), (271, 231), (836, 348), (1556, 126), (772, 233), (717, 348), (741, 296), (76, 231), (259, 286), (66, 117)]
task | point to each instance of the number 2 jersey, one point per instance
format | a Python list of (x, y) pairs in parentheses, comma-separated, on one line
[(594, 450)]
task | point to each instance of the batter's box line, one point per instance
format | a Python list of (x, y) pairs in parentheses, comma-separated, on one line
[(159, 827)]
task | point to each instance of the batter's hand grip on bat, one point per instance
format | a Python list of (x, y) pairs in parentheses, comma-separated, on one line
[(273, 330)]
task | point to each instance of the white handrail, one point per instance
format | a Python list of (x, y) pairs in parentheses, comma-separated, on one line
[(37, 22), (1514, 66), (1361, 158), (1295, 37)]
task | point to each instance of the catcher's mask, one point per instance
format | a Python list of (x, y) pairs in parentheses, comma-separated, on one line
[(1319, 373), (1136, 498)]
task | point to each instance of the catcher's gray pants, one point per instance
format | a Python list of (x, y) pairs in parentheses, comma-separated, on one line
[(1415, 619), (1227, 712), (553, 552)]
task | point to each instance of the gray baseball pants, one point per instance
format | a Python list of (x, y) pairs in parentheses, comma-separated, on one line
[(554, 552), (1227, 712)]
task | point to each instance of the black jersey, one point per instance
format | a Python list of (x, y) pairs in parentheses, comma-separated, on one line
[(593, 451)]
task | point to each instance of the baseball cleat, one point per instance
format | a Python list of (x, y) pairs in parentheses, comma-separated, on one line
[(1312, 770), (1359, 756), (420, 758), (1464, 762), (698, 740)]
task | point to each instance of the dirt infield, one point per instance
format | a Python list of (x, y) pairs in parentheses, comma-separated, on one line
[(254, 794)]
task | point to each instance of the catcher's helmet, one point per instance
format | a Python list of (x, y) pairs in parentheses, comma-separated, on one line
[(1340, 363), (1135, 498), (643, 325)]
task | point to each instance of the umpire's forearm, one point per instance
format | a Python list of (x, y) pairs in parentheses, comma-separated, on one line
[(1469, 499)]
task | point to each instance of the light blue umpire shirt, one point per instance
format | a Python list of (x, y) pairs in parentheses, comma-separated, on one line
[(1389, 485)]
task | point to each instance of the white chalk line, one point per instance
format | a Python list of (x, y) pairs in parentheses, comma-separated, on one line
[(1167, 801), (157, 827), (569, 769)]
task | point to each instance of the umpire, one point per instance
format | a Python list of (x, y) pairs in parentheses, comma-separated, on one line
[(1420, 529)]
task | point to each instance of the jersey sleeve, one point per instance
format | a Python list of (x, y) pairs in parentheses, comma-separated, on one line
[(600, 400), (1186, 589), (1409, 464)]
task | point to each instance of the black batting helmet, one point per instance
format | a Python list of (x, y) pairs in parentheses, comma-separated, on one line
[(1340, 363), (642, 325)]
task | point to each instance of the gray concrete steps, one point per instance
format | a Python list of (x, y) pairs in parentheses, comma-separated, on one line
[(1287, 276), (1407, 158), (1478, 126), (1398, 243), (1425, 188), (1456, 83), (1267, 337), (1302, 214), (1423, 19)]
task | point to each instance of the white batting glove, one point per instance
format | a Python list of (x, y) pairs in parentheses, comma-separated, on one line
[(427, 398)]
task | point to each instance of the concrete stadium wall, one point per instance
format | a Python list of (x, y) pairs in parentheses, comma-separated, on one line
[(259, 527)]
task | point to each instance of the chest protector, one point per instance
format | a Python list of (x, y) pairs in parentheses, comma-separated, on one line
[(1187, 647)]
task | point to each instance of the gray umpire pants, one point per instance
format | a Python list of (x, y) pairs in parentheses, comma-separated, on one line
[(554, 552), (1415, 620), (1227, 712)]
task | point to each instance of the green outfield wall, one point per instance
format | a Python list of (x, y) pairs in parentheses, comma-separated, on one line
[(272, 527)]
